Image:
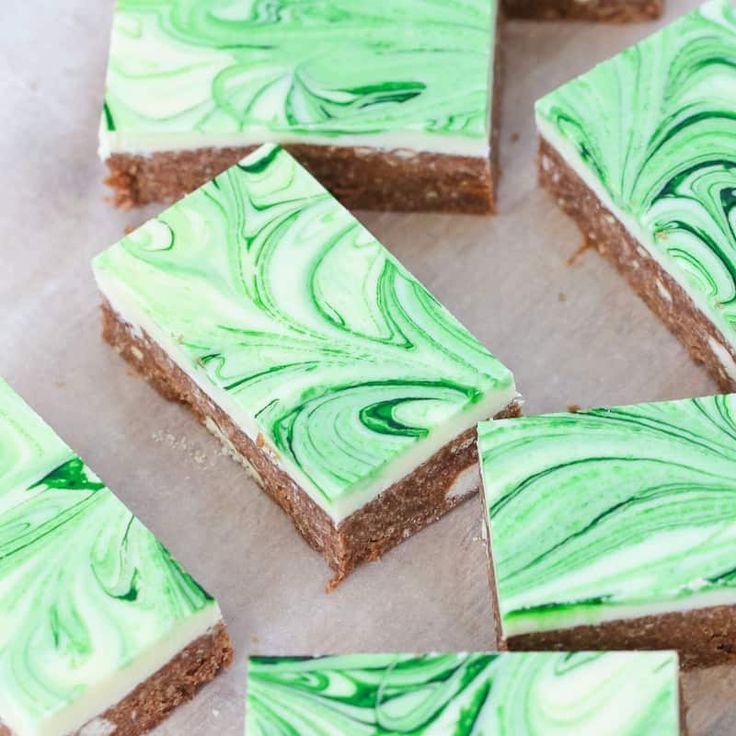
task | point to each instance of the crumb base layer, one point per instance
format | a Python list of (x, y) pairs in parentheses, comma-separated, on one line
[(175, 683), (664, 296), (703, 637), (360, 178), (399, 512), (609, 11)]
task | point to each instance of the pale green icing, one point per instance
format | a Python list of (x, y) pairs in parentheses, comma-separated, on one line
[(517, 694), (85, 588), (183, 73), (304, 328), (656, 128), (612, 513)]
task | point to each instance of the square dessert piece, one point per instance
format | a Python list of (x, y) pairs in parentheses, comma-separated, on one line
[(615, 529), (391, 104), (330, 372), (611, 11), (101, 631), (519, 694), (641, 151)]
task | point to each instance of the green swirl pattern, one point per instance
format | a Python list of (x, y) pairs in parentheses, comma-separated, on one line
[(85, 588), (187, 73), (655, 127), (612, 513), (304, 328), (517, 694)]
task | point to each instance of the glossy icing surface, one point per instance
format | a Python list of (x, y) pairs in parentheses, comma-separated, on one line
[(612, 513), (304, 329), (653, 131), (529, 694), (190, 73), (88, 596)]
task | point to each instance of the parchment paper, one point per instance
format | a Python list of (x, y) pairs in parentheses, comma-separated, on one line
[(571, 333)]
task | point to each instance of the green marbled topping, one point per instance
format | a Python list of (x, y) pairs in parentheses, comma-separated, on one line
[(327, 68), (612, 513), (656, 126), (280, 300), (85, 588), (518, 694)]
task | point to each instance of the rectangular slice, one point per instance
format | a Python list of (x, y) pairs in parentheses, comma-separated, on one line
[(529, 694), (390, 104), (101, 630), (611, 11), (327, 369), (615, 529), (641, 151)]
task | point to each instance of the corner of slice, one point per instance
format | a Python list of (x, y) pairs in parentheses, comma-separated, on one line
[(101, 630), (615, 528), (534, 694), (381, 102), (609, 11), (641, 152), (326, 368)]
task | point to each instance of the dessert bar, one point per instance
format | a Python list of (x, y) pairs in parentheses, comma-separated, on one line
[(641, 151), (330, 372), (101, 630), (615, 529), (520, 693), (391, 104)]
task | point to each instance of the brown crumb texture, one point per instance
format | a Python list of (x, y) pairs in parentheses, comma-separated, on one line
[(405, 508), (174, 684), (361, 178), (704, 637), (664, 296), (609, 11)]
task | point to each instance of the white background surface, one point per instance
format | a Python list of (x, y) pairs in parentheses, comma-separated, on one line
[(571, 333)]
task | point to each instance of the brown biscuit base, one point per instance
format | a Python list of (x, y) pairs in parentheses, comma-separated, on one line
[(704, 637), (605, 233), (360, 178), (609, 11), (407, 506), (175, 683)]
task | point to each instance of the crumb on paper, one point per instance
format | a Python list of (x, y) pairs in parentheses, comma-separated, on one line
[(574, 408), (200, 457), (515, 137), (562, 297), (586, 245)]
